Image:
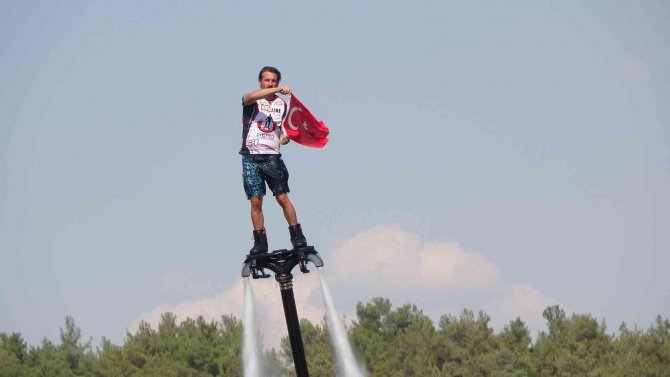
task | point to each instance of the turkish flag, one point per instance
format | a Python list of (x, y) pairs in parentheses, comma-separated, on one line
[(303, 128)]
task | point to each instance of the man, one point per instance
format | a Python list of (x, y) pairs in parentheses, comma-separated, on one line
[(263, 113)]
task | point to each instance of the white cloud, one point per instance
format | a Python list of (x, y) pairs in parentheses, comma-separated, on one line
[(526, 299), (381, 254), (633, 70), (526, 302), (231, 301), (447, 265), (387, 252), (391, 262)]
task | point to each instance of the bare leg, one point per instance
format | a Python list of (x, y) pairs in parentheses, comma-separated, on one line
[(287, 207), (257, 218)]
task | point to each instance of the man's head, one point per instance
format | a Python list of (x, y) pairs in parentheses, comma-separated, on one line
[(269, 77)]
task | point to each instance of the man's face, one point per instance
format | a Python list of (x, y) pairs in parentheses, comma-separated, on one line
[(268, 80)]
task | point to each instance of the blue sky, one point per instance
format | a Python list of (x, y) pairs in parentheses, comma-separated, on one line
[(525, 143)]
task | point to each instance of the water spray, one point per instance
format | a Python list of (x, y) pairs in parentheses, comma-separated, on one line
[(251, 350), (344, 356)]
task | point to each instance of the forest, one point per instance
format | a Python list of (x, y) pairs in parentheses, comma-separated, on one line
[(389, 341)]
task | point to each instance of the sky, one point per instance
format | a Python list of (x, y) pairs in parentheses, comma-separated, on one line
[(496, 156)]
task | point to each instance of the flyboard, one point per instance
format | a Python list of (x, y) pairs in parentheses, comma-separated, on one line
[(282, 262)]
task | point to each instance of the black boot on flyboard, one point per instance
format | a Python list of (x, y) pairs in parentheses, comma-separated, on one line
[(260, 242), (297, 238)]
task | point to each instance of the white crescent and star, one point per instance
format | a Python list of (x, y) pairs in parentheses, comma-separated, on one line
[(290, 122)]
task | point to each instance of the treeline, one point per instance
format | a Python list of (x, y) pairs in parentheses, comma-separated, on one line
[(389, 342)]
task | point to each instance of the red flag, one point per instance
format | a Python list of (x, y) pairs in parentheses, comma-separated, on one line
[(303, 128)]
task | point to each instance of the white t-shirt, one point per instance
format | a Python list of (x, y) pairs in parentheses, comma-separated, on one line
[(262, 126)]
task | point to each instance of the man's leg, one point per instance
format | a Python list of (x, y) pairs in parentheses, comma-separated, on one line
[(295, 230), (254, 187), (257, 218), (278, 181), (287, 207), (260, 237)]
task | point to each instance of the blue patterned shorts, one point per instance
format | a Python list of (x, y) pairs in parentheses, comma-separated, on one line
[(258, 169)]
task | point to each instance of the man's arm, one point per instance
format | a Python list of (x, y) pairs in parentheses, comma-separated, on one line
[(254, 96)]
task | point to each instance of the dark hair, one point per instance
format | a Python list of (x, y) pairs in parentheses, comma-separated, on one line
[(269, 69)]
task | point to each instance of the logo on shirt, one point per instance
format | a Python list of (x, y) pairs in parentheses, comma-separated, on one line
[(267, 125)]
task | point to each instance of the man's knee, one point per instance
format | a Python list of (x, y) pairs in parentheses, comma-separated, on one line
[(283, 199), (256, 201)]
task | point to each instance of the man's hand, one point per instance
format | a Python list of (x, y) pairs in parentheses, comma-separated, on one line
[(283, 139), (252, 97)]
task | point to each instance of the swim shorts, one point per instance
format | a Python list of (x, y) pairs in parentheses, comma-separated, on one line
[(258, 169)]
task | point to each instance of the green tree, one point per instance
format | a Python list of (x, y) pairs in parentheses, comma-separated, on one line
[(415, 346), (638, 353), (230, 340), (370, 337), (514, 355), (77, 355), (194, 347), (138, 348), (112, 362), (49, 361), (399, 342), (390, 342), (318, 352), (471, 344), (574, 346), (13, 354)]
